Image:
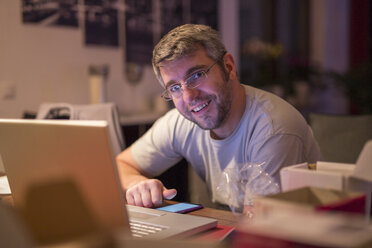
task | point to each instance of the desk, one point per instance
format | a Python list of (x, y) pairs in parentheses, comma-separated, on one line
[(226, 218)]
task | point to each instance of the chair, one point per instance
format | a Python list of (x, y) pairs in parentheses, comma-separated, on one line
[(103, 111), (341, 137)]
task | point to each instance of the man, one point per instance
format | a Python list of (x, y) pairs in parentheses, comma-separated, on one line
[(217, 123)]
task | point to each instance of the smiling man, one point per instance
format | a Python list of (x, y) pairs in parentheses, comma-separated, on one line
[(218, 123)]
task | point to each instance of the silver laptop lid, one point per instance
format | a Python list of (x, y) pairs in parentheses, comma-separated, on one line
[(37, 153)]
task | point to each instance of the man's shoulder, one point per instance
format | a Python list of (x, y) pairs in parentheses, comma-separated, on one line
[(265, 101), (272, 112), (260, 95)]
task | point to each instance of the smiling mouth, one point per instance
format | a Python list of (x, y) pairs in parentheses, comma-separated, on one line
[(199, 108)]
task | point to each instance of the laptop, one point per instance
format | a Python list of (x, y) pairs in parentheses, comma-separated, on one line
[(50, 163)]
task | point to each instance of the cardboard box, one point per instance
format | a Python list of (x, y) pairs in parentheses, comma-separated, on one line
[(312, 199), (338, 176)]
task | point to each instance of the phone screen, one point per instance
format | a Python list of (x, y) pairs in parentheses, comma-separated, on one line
[(181, 207)]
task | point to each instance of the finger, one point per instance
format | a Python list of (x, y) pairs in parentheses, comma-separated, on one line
[(146, 196), (133, 196), (129, 197), (169, 193), (137, 197), (157, 195), (156, 191)]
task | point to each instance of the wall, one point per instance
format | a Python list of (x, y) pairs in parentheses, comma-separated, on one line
[(51, 64)]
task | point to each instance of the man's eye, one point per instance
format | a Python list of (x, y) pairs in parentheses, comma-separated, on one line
[(194, 77), (174, 88)]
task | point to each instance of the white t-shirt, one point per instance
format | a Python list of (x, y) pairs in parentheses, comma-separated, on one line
[(271, 133)]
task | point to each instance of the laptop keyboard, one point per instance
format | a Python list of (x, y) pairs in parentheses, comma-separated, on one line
[(140, 229)]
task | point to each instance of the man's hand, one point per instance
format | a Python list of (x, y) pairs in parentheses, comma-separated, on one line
[(149, 193), (140, 190)]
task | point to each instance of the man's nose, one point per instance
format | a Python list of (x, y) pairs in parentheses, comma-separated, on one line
[(189, 94)]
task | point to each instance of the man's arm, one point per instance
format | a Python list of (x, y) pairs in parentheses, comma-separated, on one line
[(140, 190)]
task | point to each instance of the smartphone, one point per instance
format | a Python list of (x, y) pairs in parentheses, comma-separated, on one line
[(182, 207)]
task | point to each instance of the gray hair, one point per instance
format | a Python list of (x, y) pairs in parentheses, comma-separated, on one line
[(185, 40)]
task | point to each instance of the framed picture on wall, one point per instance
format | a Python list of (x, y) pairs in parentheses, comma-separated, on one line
[(139, 37), (173, 14), (101, 22), (204, 12), (51, 13)]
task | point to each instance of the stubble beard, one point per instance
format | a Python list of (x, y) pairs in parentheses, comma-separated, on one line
[(211, 122)]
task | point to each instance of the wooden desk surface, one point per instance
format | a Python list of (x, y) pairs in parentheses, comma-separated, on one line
[(224, 217)]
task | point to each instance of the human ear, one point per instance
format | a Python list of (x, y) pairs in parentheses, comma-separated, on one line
[(229, 63)]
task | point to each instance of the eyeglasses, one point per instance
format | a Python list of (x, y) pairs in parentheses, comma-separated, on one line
[(197, 78)]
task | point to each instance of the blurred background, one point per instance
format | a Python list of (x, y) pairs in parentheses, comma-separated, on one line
[(316, 54)]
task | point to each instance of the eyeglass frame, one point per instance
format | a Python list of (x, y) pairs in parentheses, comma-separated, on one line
[(167, 95)]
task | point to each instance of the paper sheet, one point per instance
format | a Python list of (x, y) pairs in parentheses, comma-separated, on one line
[(4, 186)]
